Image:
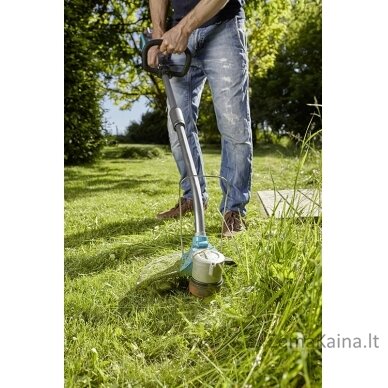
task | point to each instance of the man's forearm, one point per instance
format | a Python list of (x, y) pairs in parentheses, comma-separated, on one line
[(158, 10), (201, 13)]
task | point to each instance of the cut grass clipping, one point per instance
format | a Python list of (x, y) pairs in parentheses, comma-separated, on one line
[(262, 330)]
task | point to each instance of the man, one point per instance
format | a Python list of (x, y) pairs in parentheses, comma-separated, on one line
[(214, 32)]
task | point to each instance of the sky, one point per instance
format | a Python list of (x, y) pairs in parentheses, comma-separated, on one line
[(118, 119)]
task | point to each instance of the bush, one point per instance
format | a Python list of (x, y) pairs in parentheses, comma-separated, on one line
[(152, 129), (141, 152)]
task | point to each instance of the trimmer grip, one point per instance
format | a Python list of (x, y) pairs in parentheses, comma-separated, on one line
[(160, 70)]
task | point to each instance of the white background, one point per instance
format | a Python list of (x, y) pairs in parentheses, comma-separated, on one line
[(355, 209), (355, 234)]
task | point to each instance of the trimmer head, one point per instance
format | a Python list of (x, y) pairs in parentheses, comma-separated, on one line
[(202, 290), (201, 265)]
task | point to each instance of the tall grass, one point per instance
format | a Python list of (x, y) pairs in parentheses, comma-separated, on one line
[(262, 330)]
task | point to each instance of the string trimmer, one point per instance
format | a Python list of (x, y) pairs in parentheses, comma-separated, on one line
[(202, 263)]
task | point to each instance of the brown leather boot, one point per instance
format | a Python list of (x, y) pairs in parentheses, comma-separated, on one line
[(233, 224), (186, 207)]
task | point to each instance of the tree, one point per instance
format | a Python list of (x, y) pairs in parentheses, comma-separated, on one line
[(125, 80), (101, 56), (282, 93), (83, 130)]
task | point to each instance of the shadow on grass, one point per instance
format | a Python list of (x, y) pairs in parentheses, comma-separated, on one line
[(111, 230), (109, 185), (163, 312), (72, 176), (88, 173), (124, 253), (130, 302)]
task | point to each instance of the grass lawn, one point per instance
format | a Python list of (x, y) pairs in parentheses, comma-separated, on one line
[(262, 330)]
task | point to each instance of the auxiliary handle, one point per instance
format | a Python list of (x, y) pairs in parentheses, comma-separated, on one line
[(163, 69)]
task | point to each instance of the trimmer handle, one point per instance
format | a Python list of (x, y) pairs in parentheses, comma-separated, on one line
[(164, 69)]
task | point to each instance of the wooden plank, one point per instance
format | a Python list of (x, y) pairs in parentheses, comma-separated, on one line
[(291, 203), (267, 198), (313, 195), (302, 202)]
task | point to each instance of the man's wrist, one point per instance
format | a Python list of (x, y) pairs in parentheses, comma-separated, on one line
[(187, 25), (156, 34)]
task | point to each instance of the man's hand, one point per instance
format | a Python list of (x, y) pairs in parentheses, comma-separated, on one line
[(175, 40), (153, 53)]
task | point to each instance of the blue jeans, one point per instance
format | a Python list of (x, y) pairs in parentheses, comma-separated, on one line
[(219, 55)]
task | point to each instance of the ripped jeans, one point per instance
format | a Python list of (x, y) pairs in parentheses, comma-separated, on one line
[(219, 55)]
